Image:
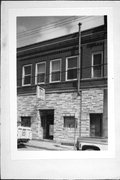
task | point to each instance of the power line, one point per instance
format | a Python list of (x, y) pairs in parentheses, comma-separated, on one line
[(33, 34), (63, 72), (53, 27), (50, 25), (43, 26)]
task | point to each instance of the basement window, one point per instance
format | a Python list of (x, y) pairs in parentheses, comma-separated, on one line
[(69, 121), (71, 68), (26, 121)]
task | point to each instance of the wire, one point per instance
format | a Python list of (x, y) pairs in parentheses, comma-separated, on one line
[(50, 26), (63, 72)]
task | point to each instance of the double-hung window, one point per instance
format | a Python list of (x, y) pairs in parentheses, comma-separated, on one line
[(40, 72), (71, 68), (27, 75), (55, 70), (97, 59)]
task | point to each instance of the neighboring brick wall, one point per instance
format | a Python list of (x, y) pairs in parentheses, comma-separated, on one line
[(64, 104)]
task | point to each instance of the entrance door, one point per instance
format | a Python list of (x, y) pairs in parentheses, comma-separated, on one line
[(95, 125), (47, 122)]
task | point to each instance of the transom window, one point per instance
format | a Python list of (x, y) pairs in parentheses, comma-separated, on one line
[(69, 121), (71, 68), (97, 64), (55, 69), (40, 72), (27, 74)]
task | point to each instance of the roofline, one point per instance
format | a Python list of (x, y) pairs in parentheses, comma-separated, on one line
[(36, 45)]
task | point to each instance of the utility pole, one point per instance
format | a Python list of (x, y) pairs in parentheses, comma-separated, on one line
[(79, 78), (79, 59)]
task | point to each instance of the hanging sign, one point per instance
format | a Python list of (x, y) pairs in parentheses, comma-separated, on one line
[(41, 93)]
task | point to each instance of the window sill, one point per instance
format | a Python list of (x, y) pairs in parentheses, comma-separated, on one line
[(93, 79)]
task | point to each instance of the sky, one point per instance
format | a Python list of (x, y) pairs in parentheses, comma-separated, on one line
[(40, 28)]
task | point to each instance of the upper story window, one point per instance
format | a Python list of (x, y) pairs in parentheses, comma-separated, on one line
[(27, 74), (40, 72), (97, 60), (55, 70), (71, 68)]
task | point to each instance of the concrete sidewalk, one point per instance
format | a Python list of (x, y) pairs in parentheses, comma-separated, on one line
[(49, 145)]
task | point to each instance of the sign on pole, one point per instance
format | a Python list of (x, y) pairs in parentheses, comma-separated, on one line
[(40, 93)]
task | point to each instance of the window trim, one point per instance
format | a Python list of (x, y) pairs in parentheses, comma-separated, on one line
[(43, 62), (50, 79), (71, 68), (23, 74), (92, 67)]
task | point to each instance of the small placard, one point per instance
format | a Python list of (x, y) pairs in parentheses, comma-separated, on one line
[(41, 93)]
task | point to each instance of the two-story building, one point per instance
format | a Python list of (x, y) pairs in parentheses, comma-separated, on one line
[(61, 113)]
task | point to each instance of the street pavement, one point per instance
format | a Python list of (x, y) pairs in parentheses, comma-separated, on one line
[(38, 145)]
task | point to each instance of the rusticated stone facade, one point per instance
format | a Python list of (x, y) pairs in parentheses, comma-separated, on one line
[(92, 102), (63, 104)]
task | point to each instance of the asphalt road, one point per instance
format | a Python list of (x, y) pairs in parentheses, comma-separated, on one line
[(36, 145)]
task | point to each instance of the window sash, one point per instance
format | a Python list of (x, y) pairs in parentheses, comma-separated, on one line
[(96, 66), (27, 77), (40, 76), (71, 62), (71, 72), (55, 75), (55, 65), (41, 70)]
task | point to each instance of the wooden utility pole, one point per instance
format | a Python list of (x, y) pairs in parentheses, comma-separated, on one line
[(79, 78), (79, 59)]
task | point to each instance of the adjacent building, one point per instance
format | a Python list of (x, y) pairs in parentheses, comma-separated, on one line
[(47, 86)]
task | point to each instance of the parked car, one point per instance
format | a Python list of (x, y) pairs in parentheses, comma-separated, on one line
[(91, 143), (24, 134)]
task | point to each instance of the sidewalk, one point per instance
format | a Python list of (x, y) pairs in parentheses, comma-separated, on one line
[(49, 145)]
